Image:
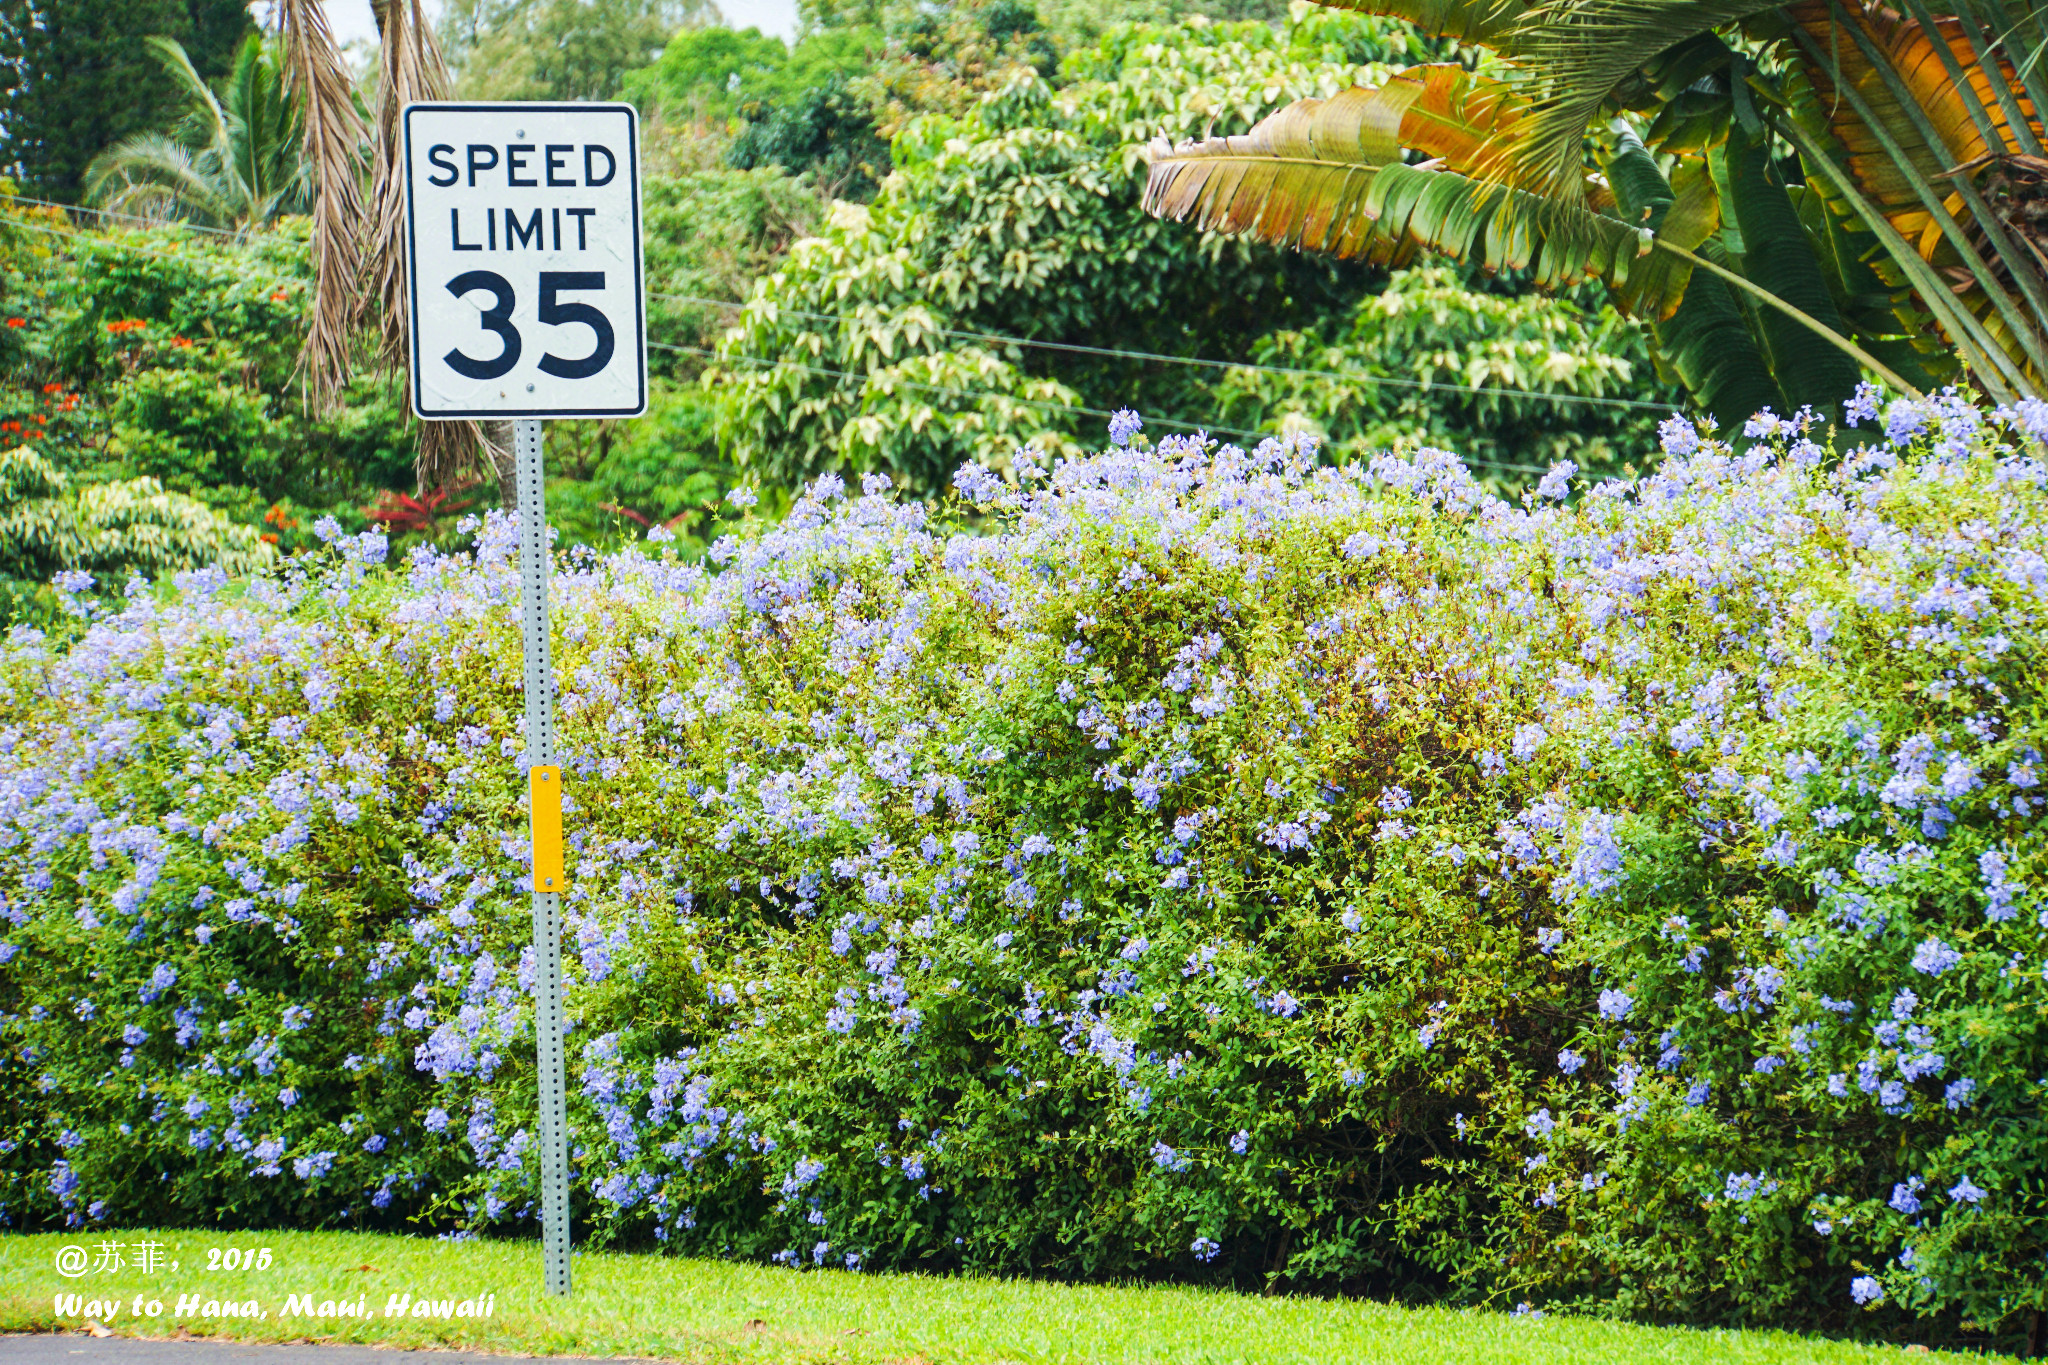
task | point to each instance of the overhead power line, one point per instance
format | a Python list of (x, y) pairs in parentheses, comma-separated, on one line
[(1076, 409), (136, 218), (1078, 348), (1327, 376), (1029, 402)]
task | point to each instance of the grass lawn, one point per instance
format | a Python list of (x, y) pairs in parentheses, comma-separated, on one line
[(635, 1305)]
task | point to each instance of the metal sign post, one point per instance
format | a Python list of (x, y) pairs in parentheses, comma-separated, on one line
[(544, 790), (524, 282)]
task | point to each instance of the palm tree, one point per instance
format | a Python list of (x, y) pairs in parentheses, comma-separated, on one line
[(234, 160), (1748, 176)]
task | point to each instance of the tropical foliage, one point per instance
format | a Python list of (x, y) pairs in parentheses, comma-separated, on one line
[(558, 49), (1021, 218), (233, 161), (1766, 176), (168, 356), (77, 76)]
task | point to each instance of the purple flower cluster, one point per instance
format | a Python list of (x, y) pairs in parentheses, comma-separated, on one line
[(1202, 792)]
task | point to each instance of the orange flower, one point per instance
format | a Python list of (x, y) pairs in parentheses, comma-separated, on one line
[(10, 426), (53, 388), (38, 417), (269, 538), (17, 322), (126, 325), (278, 297), (180, 341)]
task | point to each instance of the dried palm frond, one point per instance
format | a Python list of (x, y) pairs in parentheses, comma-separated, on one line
[(334, 138), (411, 69)]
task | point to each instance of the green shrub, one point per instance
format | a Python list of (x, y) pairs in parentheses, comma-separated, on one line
[(1218, 866), (109, 530)]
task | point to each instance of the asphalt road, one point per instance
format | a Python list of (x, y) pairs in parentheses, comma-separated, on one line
[(76, 1349)]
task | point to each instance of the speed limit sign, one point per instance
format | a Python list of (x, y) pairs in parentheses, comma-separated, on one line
[(522, 249), (523, 253)]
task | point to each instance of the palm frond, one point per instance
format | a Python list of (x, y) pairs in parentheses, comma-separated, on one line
[(1778, 257), (155, 175), (1683, 211), (1327, 175), (1578, 53), (333, 141), (410, 69), (1881, 92), (1298, 178), (208, 119)]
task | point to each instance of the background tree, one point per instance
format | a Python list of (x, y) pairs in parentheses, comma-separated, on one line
[(559, 49), (883, 343), (233, 160), (76, 77)]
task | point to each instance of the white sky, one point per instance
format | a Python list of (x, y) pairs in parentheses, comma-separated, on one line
[(352, 20)]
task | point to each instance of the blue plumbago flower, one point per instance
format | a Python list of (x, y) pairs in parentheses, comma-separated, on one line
[(1679, 436), (313, 1165), (1204, 1249), (1123, 425), (1167, 1159), (1745, 1186), (1934, 957), (1557, 484), (1866, 1291), (810, 705)]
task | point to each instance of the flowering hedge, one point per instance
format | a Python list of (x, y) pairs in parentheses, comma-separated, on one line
[(1212, 865)]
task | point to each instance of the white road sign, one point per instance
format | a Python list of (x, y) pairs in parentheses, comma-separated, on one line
[(523, 249)]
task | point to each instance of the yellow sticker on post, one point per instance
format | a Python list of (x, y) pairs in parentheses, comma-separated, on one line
[(546, 786)]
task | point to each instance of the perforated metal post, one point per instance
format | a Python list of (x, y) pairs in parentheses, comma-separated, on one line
[(547, 905)]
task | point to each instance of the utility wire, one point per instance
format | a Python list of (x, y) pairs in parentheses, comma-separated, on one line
[(1029, 402), (1074, 348), (943, 388), (120, 217), (1294, 371), (967, 393)]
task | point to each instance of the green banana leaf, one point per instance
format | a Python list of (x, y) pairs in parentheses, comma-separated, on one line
[(1778, 255)]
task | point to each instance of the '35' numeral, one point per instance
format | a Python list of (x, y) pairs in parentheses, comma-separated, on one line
[(498, 318)]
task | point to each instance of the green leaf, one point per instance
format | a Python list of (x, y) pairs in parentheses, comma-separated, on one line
[(1779, 257)]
